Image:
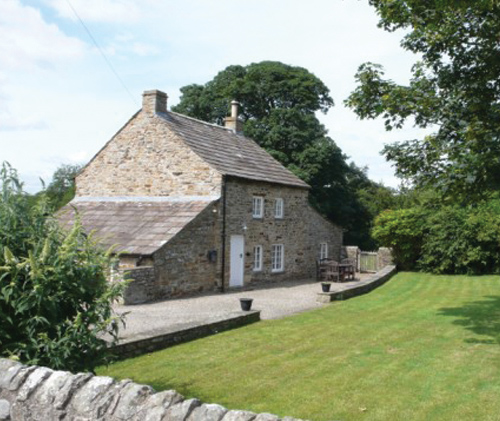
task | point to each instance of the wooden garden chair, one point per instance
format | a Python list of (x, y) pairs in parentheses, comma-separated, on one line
[(348, 268), (329, 271)]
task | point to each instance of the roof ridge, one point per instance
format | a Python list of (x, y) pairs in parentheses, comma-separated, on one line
[(157, 199), (217, 126)]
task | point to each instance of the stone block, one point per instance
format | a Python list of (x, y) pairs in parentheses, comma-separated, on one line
[(72, 384), (10, 371), (156, 405), (207, 412), (34, 380), (132, 396), (50, 389), (235, 415), (266, 417), (4, 410), (93, 399), (181, 411)]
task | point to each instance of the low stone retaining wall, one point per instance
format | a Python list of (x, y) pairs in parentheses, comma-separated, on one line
[(39, 393), (379, 278), (134, 348)]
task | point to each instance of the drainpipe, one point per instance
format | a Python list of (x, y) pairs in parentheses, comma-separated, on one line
[(223, 257)]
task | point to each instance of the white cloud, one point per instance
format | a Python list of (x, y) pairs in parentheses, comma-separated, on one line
[(26, 40), (98, 10)]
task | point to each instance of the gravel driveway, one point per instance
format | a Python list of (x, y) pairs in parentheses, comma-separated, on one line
[(274, 301)]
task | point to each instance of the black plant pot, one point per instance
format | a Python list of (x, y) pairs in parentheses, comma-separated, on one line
[(246, 303), (325, 286)]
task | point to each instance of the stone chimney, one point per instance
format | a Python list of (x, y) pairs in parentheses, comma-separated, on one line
[(233, 122), (154, 102)]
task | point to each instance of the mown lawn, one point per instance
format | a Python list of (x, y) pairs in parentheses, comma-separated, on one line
[(421, 347)]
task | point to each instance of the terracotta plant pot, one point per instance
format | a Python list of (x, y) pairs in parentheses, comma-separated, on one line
[(246, 304), (325, 286)]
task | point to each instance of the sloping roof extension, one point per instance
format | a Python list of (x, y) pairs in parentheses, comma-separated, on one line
[(228, 152), (138, 227)]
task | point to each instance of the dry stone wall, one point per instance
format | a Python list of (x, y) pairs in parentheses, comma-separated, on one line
[(146, 159), (352, 252), (31, 393), (384, 257)]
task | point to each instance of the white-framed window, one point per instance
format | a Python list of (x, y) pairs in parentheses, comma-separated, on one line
[(278, 208), (277, 258), (257, 258), (258, 207), (323, 251)]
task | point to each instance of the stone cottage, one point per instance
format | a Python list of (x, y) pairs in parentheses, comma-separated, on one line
[(193, 206)]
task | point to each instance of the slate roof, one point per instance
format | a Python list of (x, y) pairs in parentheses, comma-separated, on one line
[(137, 227), (228, 152)]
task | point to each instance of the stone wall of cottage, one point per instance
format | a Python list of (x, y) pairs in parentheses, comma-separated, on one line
[(301, 230), (320, 230), (142, 285), (190, 262), (146, 159)]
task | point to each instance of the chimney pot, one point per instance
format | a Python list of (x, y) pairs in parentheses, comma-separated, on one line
[(234, 109), (233, 122), (154, 101)]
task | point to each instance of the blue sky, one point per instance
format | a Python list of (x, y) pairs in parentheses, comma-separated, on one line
[(60, 102)]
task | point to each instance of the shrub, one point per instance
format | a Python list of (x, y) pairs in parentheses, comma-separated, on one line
[(55, 300), (462, 241), (445, 239), (402, 230)]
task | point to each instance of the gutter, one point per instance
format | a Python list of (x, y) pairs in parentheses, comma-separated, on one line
[(223, 257)]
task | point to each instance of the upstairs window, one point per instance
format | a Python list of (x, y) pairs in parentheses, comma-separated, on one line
[(278, 208), (257, 258), (323, 251), (277, 258), (258, 207)]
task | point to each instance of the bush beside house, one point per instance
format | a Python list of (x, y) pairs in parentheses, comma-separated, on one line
[(448, 239)]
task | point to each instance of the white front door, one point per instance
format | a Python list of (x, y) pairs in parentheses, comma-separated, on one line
[(237, 261)]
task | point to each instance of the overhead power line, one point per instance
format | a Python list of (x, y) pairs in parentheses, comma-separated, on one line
[(102, 53)]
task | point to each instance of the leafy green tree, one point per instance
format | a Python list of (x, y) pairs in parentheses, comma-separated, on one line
[(278, 106), (62, 187), (454, 91), (368, 199), (55, 300)]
